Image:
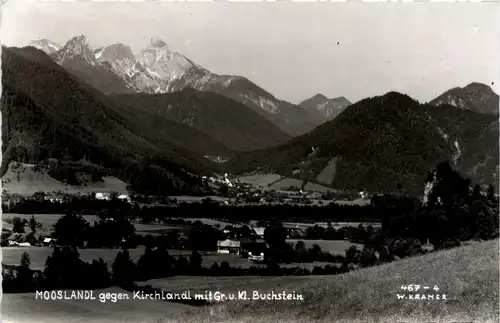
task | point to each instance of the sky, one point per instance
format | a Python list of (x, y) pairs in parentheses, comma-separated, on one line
[(291, 49)]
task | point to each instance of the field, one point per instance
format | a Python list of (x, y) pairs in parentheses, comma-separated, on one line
[(336, 225), (197, 199), (310, 186), (260, 180), (469, 276), (48, 220), (214, 222), (38, 256), (331, 246), (28, 182), (359, 201), (286, 183), (222, 284), (327, 175)]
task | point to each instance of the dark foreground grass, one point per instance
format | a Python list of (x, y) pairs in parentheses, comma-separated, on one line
[(469, 276)]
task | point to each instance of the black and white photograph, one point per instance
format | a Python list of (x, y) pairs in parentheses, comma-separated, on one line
[(232, 162)]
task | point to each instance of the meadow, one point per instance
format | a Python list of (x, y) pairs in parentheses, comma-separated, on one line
[(22, 308), (38, 256), (260, 179), (331, 246), (468, 275), (335, 225), (201, 284), (25, 181), (48, 220)]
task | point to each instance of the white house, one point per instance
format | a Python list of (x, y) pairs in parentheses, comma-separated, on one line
[(428, 247), (103, 196), (228, 246), (259, 231), (125, 197)]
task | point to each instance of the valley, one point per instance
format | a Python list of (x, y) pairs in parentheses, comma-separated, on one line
[(150, 149)]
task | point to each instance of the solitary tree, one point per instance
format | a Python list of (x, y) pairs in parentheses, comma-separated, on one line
[(25, 261), (71, 230), (124, 269), (32, 224), (18, 225)]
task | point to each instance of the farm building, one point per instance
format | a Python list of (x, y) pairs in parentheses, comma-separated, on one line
[(427, 247), (22, 239), (124, 197), (259, 231), (254, 248), (48, 242), (103, 196), (228, 246)]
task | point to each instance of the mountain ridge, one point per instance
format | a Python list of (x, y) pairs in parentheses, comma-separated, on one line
[(223, 119), (380, 142), (474, 96), (157, 69), (76, 121), (323, 107)]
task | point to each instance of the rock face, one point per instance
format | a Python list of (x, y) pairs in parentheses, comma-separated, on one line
[(49, 47), (157, 69), (476, 97), (322, 107)]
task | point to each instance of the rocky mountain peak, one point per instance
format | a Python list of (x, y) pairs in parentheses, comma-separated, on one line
[(157, 43), (77, 46), (48, 46), (114, 52)]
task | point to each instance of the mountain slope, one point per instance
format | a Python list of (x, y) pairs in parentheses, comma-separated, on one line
[(223, 119), (157, 69), (48, 46), (78, 58), (47, 112), (378, 143), (476, 97), (321, 106), (368, 294)]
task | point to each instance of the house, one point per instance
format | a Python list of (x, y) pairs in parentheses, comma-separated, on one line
[(15, 238), (228, 246), (103, 196), (22, 239), (48, 242), (124, 197), (255, 249), (259, 231), (427, 247)]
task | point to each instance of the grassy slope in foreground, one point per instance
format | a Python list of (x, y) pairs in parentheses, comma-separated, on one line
[(468, 275)]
